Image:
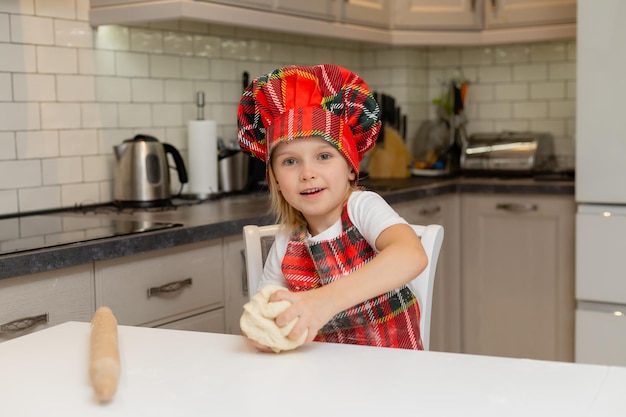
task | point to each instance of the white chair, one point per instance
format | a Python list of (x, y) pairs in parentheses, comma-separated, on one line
[(259, 239)]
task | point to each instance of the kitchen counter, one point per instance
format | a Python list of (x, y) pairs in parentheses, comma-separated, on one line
[(173, 372), (226, 216)]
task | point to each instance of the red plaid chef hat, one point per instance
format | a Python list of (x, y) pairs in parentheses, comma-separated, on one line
[(325, 101)]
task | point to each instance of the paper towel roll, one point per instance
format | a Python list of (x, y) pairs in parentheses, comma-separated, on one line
[(202, 146)]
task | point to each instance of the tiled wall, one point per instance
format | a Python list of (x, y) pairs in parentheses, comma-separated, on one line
[(68, 93)]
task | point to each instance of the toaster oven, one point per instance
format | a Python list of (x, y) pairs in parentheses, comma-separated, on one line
[(514, 153)]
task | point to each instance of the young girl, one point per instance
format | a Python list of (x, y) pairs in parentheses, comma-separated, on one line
[(345, 256)]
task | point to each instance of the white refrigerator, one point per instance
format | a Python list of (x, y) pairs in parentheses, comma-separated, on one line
[(601, 182)]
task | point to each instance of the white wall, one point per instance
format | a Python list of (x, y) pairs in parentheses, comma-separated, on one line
[(68, 92)]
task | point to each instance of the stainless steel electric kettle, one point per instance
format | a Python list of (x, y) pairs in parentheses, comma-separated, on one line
[(141, 175)]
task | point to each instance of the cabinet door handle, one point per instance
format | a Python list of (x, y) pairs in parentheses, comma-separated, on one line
[(23, 323), (170, 287), (516, 207), (429, 211), (473, 5), (244, 274)]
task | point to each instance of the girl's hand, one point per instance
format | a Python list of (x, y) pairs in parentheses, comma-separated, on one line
[(312, 309)]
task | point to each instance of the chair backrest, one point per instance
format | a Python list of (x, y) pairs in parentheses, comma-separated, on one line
[(259, 239)]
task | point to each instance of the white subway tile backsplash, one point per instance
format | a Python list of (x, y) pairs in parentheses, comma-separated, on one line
[(108, 138), (78, 142), (8, 202), (91, 62), (111, 89), (512, 92), (5, 36), (19, 116), (195, 68), (284, 53), (210, 46), (562, 71), (18, 6), (478, 93), (477, 56), (234, 49), (167, 115), (39, 198), (495, 74), (80, 194), (62, 170), (112, 37), (178, 43), (511, 125), (37, 144), (212, 90), (60, 116), (97, 168), (18, 58), (547, 90), (530, 72), (562, 108), (98, 115), (556, 127), (73, 34), (162, 66), (146, 40), (512, 54), (20, 174), (135, 115), (76, 88), (57, 60), (31, 30), (444, 58), (6, 87), (495, 111), (34, 87), (131, 64), (179, 91), (147, 90), (530, 110), (7, 145), (548, 52), (222, 69)]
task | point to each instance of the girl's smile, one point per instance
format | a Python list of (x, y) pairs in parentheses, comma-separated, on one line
[(314, 178)]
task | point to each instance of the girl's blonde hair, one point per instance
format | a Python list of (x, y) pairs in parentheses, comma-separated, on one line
[(286, 215)]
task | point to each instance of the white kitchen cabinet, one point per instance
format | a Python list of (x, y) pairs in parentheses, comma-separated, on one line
[(261, 4), (518, 275), (435, 14), (34, 302), (162, 286), (235, 282), (445, 332), (212, 322), (508, 13), (318, 9), (367, 12)]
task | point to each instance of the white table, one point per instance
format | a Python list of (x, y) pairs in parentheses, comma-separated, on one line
[(180, 373)]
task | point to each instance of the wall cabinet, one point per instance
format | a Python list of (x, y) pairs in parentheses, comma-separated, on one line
[(46, 299), (318, 9), (518, 275), (446, 311), (163, 286), (480, 14), (367, 12)]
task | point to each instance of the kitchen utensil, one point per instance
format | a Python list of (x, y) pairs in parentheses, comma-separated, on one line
[(233, 170), (141, 173)]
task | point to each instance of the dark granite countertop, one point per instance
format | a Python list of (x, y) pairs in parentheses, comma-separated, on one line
[(226, 217)]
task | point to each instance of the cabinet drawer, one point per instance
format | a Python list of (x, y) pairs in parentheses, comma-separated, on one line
[(162, 286), (37, 301), (601, 334), (211, 321)]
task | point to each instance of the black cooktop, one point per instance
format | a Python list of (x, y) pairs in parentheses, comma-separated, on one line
[(33, 232)]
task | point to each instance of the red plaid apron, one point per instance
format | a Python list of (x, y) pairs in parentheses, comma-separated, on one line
[(388, 320)]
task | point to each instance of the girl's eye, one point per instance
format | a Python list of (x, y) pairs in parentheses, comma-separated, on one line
[(325, 156), (289, 161)]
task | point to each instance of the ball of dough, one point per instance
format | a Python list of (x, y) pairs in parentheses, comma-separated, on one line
[(257, 321)]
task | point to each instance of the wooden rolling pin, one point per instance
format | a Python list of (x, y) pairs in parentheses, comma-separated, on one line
[(104, 355)]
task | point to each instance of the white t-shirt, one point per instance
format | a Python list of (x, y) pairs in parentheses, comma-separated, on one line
[(369, 213)]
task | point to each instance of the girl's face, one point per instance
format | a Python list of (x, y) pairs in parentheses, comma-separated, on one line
[(314, 178)]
